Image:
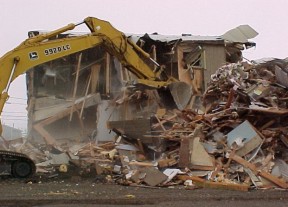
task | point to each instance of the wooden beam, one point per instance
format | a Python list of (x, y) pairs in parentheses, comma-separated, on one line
[(76, 83), (86, 93), (159, 122), (108, 74), (164, 121), (141, 164), (47, 137), (184, 153), (217, 185), (281, 183), (95, 69)]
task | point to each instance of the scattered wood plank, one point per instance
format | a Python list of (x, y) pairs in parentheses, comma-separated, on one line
[(76, 84), (281, 183), (216, 185)]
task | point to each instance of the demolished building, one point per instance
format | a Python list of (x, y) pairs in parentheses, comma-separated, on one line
[(85, 95)]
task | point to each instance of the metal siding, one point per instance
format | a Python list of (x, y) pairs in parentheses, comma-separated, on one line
[(240, 34), (214, 58)]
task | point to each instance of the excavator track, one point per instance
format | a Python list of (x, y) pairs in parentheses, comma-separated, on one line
[(16, 164)]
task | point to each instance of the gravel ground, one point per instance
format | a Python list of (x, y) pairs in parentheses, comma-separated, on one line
[(87, 192)]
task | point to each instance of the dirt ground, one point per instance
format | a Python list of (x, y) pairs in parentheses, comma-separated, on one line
[(89, 192)]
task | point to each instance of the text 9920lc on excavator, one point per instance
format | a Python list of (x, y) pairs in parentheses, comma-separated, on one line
[(44, 48)]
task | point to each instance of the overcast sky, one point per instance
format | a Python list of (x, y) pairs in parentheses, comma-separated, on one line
[(197, 17)]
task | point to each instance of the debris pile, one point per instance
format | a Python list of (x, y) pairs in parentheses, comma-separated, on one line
[(236, 138), (241, 136)]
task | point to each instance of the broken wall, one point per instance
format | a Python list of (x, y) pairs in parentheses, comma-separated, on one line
[(74, 97), (214, 57), (197, 70), (64, 94)]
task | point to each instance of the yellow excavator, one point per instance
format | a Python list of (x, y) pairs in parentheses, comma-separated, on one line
[(45, 47)]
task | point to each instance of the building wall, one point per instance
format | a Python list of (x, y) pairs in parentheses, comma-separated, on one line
[(214, 57), (211, 57)]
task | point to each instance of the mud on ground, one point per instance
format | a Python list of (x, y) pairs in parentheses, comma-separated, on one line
[(77, 191)]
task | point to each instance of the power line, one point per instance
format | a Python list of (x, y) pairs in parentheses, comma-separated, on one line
[(13, 116), (13, 112), (16, 103), (14, 120), (18, 98)]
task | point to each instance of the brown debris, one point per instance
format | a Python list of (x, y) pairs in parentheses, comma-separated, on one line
[(236, 140)]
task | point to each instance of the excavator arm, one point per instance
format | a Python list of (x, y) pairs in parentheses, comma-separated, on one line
[(40, 49)]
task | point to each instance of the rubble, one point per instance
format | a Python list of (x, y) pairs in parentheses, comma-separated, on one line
[(236, 138)]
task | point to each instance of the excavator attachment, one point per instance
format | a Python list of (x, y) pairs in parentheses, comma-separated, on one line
[(173, 93), (181, 93)]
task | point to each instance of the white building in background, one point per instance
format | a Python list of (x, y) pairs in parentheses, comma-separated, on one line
[(10, 133)]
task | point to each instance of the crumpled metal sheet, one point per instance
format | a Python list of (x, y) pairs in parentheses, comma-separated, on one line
[(240, 34)]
